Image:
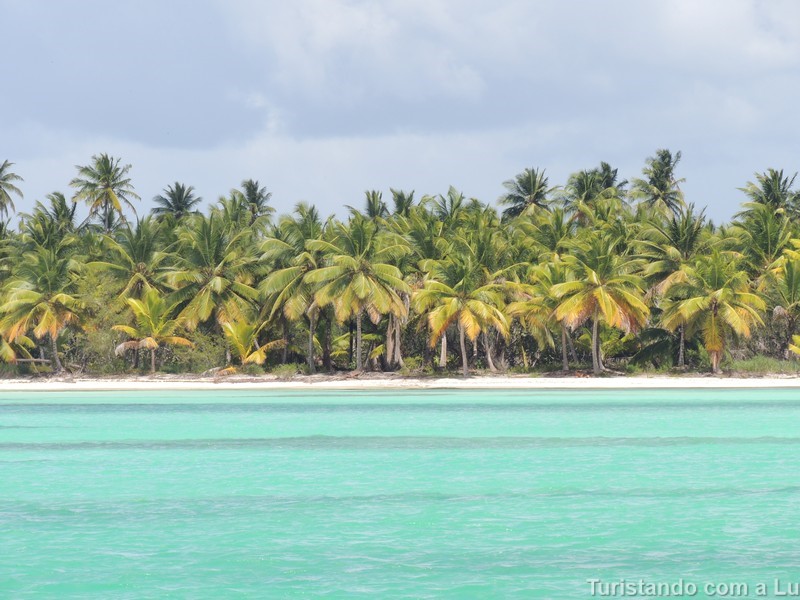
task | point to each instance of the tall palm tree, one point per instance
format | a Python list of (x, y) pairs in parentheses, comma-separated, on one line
[(134, 257), (535, 304), (605, 289), (761, 234), (358, 277), (774, 189), (456, 292), (716, 300), (287, 287), (660, 187), (374, 206), (49, 226), (669, 248), (527, 190), (257, 200), (177, 201), (213, 272), (585, 187), (105, 186), (403, 201), (7, 188), (154, 326), (41, 299), (783, 295)]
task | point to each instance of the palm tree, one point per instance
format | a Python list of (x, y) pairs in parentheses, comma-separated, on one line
[(256, 199), (716, 300), (669, 249), (403, 201), (359, 276), (605, 289), (375, 207), (134, 257), (242, 337), (105, 186), (213, 272), (784, 295), (154, 326), (762, 234), (287, 285), (585, 187), (49, 226), (177, 201), (660, 188), (41, 298), (527, 190), (7, 188), (455, 292), (536, 303), (774, 189)]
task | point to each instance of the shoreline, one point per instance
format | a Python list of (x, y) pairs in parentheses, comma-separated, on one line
[(382, 381)]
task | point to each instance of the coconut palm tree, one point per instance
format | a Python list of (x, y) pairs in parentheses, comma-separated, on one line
[(455, 292), (605, 290), (213, 272), (774, 189), (761, 234), (242, 337), (41, 298), (286, 286), (105, 186), (716, 300), (49, 226), (358, 277), (134, 257), (177, 201), (7, 188), (669, 248), (403, 201), (660, 187), (256, 199), (153, 326), (783, 295), (527, 190)]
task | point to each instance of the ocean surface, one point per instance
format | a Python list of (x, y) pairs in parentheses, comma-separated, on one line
[(398, 494)]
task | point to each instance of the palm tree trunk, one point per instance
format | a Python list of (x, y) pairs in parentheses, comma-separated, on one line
[(310, 351), (326, 346), (390, 342), (488, 349), (681, 348), (464, 357), (571, 345), (398, 354), (443, 353), (359, 359), (350, 341), (715, 357), (54, 348), (596, 367), (285, 357), (564, 356), (152, 361)]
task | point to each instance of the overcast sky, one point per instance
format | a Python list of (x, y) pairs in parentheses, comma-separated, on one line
[(323, 99)]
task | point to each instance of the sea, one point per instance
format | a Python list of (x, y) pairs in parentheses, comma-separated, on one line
[(400, 494)]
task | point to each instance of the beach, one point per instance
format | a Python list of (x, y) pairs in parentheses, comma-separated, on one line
[(383, 381)]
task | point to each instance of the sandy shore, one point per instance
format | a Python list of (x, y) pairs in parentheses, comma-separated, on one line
[(383, 381)]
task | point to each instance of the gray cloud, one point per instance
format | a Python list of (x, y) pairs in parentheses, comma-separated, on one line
[(321, 99)]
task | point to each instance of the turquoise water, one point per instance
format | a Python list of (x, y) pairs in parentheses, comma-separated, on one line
[(434, 494)]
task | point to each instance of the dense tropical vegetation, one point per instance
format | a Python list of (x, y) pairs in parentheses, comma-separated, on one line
[(598, 274)]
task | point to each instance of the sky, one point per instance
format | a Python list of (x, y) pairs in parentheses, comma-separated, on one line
[(321, 100)]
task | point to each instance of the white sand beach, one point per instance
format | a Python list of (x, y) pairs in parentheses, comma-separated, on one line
[(380, 381)]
